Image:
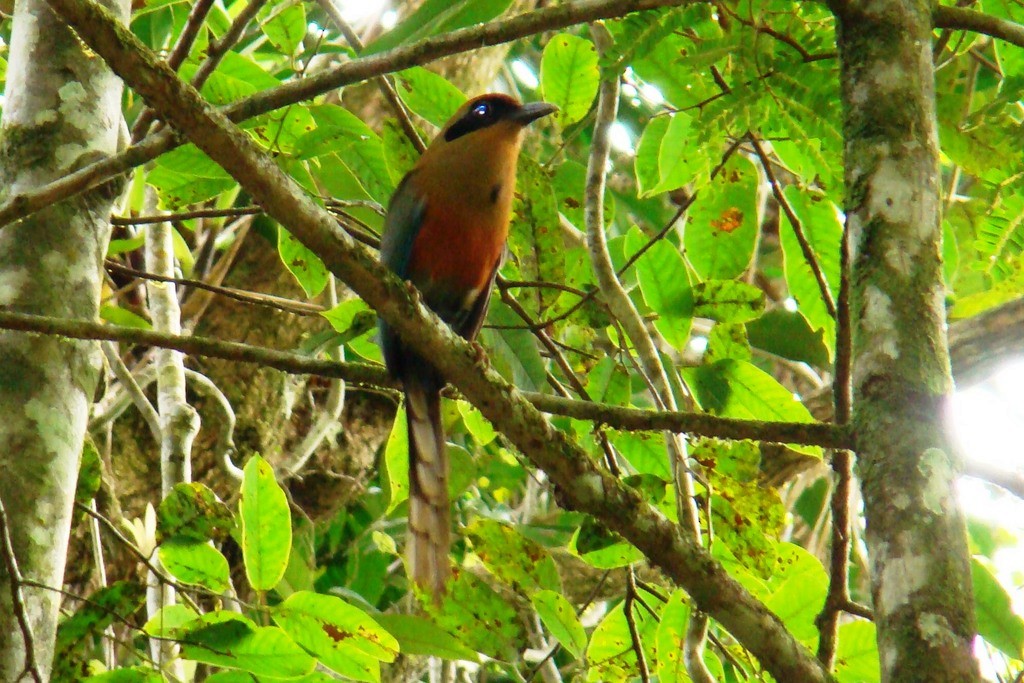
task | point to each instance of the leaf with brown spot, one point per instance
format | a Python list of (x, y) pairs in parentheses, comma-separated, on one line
[(343, 637), (731, 219)]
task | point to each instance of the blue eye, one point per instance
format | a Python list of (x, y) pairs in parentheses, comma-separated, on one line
[(482, 110)]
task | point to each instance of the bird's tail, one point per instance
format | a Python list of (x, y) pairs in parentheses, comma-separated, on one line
[(429, 512)]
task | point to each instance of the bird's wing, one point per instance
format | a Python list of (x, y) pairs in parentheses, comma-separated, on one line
[(468, 321), (403, 223)]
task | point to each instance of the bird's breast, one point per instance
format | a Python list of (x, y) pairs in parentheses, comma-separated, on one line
[(458, 246)]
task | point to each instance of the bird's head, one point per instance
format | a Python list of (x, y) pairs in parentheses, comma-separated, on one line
[(491, 116)]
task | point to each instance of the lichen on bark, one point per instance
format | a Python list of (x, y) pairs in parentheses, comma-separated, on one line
[(61, 104), (920, 573)]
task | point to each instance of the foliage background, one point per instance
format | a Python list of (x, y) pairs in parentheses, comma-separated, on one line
[(724, 220)]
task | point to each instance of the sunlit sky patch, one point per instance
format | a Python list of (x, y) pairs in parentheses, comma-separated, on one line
[(525, 74), (620, 138), (987, 423), (388, 19), (358, 10)]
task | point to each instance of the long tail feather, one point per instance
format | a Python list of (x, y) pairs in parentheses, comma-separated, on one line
[(429, 513)]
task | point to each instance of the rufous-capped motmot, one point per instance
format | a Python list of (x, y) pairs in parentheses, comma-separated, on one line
[(445, 233)]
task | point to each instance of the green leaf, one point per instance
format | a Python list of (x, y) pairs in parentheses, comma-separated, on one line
[(514, 352), (438, 16), (478, 617), (478, 425), (645, 452), (396, 461), (601, 548), (819, 220), (535, 240), (237, 76), (610, 652), (746, 516), (608, 382), (668, 157), (647, 165), (244, 677), (135, 674), (798, 587), (568, 183), (341, 636), (788, 334), (722, 231), (671, 638), (727, 301), (90, 474), (308, 269), (398, 150), (351, 319), (284, 27), (857, 653), (680, 161), (429, 95), (187, 176), (516, 560), (168, 618), (193, 512), (266, 525), (123, 317), (733, 388), (560, 619), (419, 637), (119, 600), (665, 285), (121, 246), (195, 562), (230, 640), (997, 622), (727, 341), (569, 76), (340, 132)]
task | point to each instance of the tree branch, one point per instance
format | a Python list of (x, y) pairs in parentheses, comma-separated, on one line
[(420, 52), (963, 19), (365, 374), (17, 596)]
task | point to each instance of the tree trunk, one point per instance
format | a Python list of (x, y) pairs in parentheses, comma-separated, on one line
[(920, 574), (62, 109)]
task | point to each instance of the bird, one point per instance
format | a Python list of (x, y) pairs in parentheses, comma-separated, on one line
[(445, 232)]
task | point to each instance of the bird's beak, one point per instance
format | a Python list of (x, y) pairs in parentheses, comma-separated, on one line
[(531, 111)]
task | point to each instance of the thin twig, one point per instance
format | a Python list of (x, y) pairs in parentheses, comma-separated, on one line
[(640, 337), (186, 215), (805, 246), (132, 389), (839, 566), (256, 298), (225, 448), (611, 459), (634, 632), (18, 597), (579, 610), (216, 51), (838, 595), (196, 17), (387, 88), (141, 557)]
